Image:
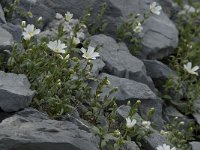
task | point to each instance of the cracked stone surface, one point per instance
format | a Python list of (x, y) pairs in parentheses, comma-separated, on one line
[(33, 130), (119, 62), (128, 89)]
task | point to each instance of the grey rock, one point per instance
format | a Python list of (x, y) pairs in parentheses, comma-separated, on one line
[(158, 71), (148, 142), (172, 112), (197, 117), (4, 115), (130, 145), (98, 66), (153, 140), (157, 118), (159, 37), (15, 30), (15, 93), (128, 89), (123, 111), (169, 7), (33, 130), (119, 61), (6, 39), (2, 16), (195, 145)]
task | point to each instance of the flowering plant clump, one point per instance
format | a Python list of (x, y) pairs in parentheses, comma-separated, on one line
[(186, 63), (59, 67), (130, 28), (183, 90)]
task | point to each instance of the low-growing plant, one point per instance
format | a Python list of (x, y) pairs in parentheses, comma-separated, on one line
[(130, 28), (186, 85), (179, 134), (59, 69)]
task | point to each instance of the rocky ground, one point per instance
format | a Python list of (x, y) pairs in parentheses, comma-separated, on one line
[(137, 78)]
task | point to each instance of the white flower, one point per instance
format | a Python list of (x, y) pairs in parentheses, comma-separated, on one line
[(165, 147), (68, 16), (57, 46), (155, 8), (146, 124), (30, 31), (59, 16), (130, 123), (89, 54), (138, 28), (192, 70)]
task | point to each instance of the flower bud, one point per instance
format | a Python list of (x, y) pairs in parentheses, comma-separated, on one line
[(30, 14), (39, 19), (117, 132), (23, 24)]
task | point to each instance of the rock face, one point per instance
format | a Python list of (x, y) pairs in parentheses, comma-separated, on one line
[(159, 37), (6, 39), (119, 61), (2, 17), (128, 89), (15, 30), (158, 71), (152, 141), (33, 130), (14, 92), (195, 145), (157, 117), (98, 66)]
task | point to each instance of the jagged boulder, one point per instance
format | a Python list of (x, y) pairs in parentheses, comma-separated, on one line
[(128, 89), (15, 93), (33, 130), (119, 62)]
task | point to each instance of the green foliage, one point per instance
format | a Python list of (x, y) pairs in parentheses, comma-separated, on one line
[(10, 8), (61, 82), (184, 89), (179, 134), (96, 23), (125, 32), (186, 85)]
